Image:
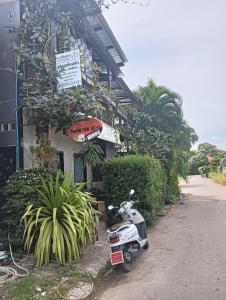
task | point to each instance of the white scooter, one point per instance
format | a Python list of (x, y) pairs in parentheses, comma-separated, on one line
[(126, 238)]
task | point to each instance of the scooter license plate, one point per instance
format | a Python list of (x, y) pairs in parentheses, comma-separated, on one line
[(117, 258)]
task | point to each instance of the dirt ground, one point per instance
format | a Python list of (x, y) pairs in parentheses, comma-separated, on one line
[(186, 259)]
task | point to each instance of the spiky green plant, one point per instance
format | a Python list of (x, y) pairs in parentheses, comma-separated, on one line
[(63, 225), (92, 154)]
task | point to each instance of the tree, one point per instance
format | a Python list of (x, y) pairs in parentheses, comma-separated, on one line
[(207, 154), (208, 149), (157, 128), (164, 106), (196, 161)]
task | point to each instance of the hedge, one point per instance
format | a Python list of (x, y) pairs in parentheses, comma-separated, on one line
[(141, 173), (14, 198)]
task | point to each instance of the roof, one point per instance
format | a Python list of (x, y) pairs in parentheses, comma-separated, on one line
[(104, 33), (96, 29), (100, 47)]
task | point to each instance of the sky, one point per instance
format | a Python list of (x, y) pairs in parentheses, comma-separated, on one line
[(181, 44)]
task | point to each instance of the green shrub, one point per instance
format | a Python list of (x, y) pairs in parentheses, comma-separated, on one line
[(62, 224), (141, 173), (15, 196)]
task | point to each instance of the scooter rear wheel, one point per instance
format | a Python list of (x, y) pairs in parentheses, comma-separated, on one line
[(146, 246), (126, 266)]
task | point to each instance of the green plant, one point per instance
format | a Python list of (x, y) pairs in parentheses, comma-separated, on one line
[(91, 153), (63, 224), (15, 196), (141, 173), (91, 156)]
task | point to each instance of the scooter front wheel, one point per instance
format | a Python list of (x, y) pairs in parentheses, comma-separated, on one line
[(126, 266)]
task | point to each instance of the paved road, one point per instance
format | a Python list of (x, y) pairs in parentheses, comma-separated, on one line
[(187, 256)]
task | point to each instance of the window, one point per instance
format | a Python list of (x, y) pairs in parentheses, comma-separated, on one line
[(60, 161), (7, 127), (13, 126), (4, 127)]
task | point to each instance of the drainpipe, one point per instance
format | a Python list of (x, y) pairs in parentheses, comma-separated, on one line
[(18, 137)]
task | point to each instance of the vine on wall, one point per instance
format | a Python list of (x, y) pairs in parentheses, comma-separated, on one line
[(46, 29)]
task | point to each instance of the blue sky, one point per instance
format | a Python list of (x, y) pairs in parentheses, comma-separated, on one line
[(182, 45)]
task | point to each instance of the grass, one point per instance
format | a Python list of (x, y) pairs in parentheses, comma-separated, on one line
[(218, 178), (25, 288)]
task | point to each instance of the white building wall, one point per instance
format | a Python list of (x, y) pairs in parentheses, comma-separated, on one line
[(61, 143), (58, 140)]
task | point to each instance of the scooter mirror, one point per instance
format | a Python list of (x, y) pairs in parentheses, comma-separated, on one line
[(110, 207), (131, 192)]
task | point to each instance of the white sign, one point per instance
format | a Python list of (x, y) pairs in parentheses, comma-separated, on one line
[(69, 70)]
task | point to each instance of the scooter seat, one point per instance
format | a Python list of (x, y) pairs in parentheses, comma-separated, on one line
[(117, 226)]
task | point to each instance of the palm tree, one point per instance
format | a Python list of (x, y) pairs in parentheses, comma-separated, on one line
[(164, 106)]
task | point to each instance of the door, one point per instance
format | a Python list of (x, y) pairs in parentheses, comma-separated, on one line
[(78, 169)]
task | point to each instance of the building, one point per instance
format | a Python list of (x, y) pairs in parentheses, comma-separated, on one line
[(92, 36)]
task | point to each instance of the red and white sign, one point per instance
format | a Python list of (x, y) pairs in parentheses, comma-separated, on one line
[(89, 129), (85, 130)]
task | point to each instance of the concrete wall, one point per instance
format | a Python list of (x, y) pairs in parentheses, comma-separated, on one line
[(58, 140)]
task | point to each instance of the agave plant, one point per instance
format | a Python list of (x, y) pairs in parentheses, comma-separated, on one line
[(63, 225)]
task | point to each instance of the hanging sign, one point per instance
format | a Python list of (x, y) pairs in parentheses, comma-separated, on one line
[(89, 129), (68, 69), (85, 130)]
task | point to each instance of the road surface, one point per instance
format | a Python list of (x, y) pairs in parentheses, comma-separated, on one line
[(186, 259)]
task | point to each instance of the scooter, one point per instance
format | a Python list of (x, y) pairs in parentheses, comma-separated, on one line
[(127, 238)]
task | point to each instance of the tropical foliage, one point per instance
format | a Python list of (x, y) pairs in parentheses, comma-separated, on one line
[(40, 97), (63, 224), (157, 128), (47, 28), (163, 105)]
